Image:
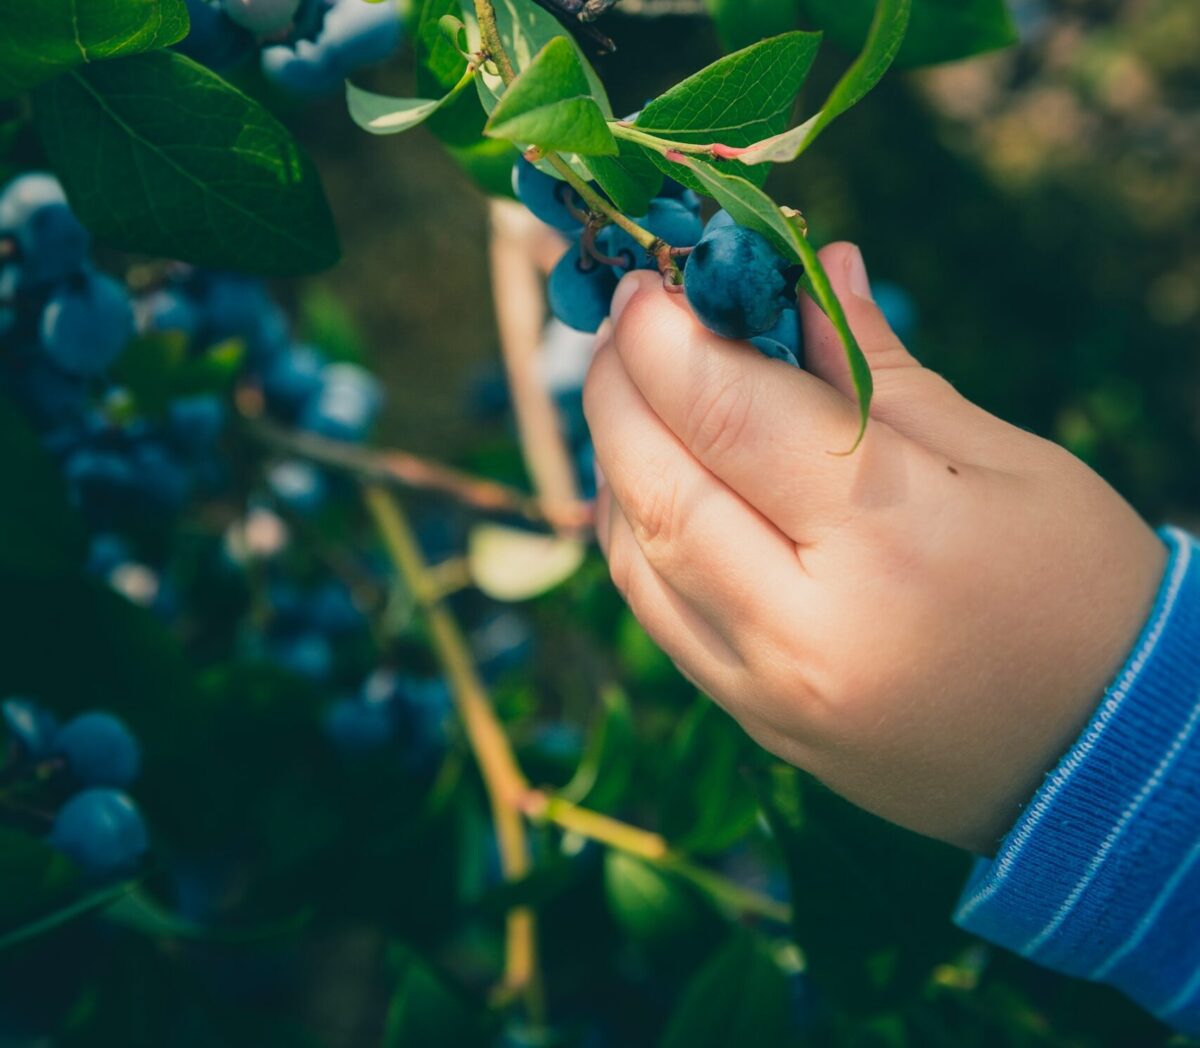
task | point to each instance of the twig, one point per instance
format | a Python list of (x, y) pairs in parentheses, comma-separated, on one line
[(407, 470), (502, 777), (654, 849), (520, 303)]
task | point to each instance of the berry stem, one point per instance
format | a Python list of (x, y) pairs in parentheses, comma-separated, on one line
[(505, 782), (489, 32), (664, 146)]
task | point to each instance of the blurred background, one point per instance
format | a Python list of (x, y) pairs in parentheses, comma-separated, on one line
[(1031, 219)]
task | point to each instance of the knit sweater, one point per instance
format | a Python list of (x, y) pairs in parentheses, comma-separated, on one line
[(1100, 877)]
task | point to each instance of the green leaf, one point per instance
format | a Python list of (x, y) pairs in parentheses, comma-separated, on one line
[(631, 179), (872, 902), (161, 156), (39, 532), (883, 42), (550, 105), (744, 22), (651, 906), (941, 30), (43, 38), (750, 206), (741, 997), (424, 1010), (606, 770), (157, 367), (708, 803), (737, 101), (37, 879), (385, 115)]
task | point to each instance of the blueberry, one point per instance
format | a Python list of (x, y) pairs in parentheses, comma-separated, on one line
[(580, 291), (167, 309), (106, 553), (669, 220), (86, 325), (331, 609), (358, 33), (261, 17), (299, 485), (782, 342), (195, 423), (31, 726), (305, 68), (355, 726), (161, 481), (305, 653), (101, 482), (736, 283), (292, 381), (547, 197), (52, 243), (102, 831), (213, 40), (100, 750), (231, 307), (897, 306), (721, 220), (676, 191), (347, 405)]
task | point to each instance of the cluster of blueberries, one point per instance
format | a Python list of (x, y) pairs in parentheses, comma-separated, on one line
[(306, 47), (391, 709), (99, 827), (735, 281), (64, 326)]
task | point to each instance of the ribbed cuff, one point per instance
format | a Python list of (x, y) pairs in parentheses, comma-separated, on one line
[(1100, 877)]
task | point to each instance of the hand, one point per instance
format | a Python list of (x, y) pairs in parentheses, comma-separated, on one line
[(927, 624)]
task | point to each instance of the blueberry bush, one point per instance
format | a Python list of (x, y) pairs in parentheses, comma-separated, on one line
[(312, 741)]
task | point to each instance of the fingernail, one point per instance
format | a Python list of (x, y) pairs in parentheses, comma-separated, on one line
[(625, 291), (856, 275)]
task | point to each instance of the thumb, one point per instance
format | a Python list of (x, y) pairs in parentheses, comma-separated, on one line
[(908, 397)]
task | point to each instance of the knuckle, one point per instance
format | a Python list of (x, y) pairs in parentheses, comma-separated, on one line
[(719, 413), (657, 519)]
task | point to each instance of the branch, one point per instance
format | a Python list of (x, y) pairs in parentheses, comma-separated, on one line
[(404, 469), (652, 848), (502, 777)]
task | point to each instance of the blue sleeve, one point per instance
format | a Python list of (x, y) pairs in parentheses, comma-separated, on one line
[(1100, 877)]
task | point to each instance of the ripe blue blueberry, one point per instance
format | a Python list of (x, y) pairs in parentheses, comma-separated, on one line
[(783, 341), (161, 483), (304, 68), (354, 725), (548, 198), (31, 726), (292, 381), (213, 40), (347, 404), (331, 609), (736, 283), (306, 653), (580, 291), (299, 485), (261, 17), (167, 309), (358, 33), (669, 220), (102, 831), (106, 552), (101, 483), (52, 244), (720, 220), (86, 324), (195, 423), (100, 750)]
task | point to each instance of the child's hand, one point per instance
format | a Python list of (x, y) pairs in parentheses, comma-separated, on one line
[(927, 624)]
